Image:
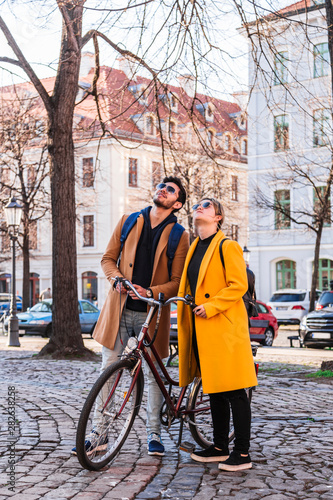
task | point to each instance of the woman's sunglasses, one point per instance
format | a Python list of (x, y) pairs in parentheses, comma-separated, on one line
[(169, 189), (205, 204)]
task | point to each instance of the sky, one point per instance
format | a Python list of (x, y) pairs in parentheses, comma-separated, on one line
[(223, 71)]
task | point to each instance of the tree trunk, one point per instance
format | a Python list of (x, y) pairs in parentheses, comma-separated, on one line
[(315, 268), (66, 332)]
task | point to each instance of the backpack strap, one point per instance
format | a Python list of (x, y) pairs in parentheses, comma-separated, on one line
[(125, 230), (174, 238), (221, 253)]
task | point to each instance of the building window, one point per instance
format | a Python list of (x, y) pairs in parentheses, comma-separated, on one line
[(321, 60), (282, 209), (87, 172), (156, 173), (285, 274), (281, 133), (150, 129), (5, 240), (280, 68), (210, 138), (173, 102), (172, 130), (209, 113), (133, 172), (89, 286), (318, 195), (227, 142), (321, 120), (234, 232), (31, 178), (234, 188), (5, 283), (325, 274), (244, 148), (33, 235), (88, 231), (33, 289)]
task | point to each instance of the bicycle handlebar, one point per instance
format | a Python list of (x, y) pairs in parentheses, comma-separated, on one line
[(188, 300)]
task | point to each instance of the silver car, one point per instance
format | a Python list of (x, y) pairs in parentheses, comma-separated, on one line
[(290, 305)]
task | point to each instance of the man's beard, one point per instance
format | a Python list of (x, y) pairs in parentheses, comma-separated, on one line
[(162, 203)]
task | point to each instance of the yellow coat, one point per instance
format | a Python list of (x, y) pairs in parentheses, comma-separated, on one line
[(223, 338)]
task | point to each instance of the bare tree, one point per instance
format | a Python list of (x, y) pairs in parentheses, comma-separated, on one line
[(24, 175), (163, 39)]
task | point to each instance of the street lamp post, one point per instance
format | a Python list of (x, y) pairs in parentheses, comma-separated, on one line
[(13, 213), (246, 255)]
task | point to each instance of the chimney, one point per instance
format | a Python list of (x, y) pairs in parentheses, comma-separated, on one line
[(87, 63), (187, 83), (129, 66), (242, 99)]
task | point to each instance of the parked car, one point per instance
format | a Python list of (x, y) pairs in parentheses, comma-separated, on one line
[(267, 335), (38, 319), (325, 300), (316, 329), (264, 328), (290, 305), (5, 299)]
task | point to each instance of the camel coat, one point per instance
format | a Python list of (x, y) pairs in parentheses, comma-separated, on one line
[(107, 326), (223, 339)]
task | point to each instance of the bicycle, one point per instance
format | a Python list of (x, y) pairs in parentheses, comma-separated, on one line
[(114, 400)]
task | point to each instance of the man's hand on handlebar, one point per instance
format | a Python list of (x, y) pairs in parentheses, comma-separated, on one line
[(139, 289), (120, 288)]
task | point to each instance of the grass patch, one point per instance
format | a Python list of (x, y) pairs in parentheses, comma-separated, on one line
[(320, 374)]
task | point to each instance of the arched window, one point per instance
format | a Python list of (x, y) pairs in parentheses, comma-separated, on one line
[(325, 274), (33, 289), (5, 283), (89, 286), (244, 147), (285, 274)]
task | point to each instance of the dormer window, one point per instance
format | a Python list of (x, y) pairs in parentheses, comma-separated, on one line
[(244, 147), (172, 130), (210, 138), (227, 142), (173, 102), (209, 113), (150, 125)]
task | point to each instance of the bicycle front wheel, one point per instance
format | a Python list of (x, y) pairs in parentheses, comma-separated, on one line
[(201, 425), (108, 414)]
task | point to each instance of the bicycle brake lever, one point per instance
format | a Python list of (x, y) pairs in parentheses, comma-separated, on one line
[(190, 299)]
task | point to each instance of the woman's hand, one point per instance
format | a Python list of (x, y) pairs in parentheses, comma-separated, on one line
[(200, 311)]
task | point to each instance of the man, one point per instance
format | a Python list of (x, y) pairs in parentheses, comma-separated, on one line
[(46, 294), (144, 262)]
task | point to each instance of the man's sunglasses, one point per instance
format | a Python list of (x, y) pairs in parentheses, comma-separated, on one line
[(205, 204), (169, 189)]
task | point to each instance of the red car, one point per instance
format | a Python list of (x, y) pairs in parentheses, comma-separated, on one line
[(264, 335), (264, 328)]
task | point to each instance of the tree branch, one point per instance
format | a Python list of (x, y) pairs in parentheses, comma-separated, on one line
[(26, 66)]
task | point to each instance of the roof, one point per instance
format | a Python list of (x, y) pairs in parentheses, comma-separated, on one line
[(124, 105)]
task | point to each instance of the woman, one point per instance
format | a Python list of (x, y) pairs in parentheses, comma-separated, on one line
[(214, 340)]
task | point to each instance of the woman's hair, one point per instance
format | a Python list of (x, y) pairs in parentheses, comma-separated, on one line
[(218, 209)]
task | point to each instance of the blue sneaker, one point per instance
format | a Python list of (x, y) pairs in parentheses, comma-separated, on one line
[(94, 442), (155, 445)]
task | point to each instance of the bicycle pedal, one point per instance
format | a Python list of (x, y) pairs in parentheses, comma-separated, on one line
[(187, 446)]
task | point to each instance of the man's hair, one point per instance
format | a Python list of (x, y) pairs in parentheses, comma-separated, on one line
[(219, 210), (182, 192)]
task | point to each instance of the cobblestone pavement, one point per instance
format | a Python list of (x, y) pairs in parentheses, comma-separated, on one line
[(292, 444)]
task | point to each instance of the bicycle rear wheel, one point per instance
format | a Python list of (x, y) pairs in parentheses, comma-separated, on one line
[(201, 425), (107, 417)]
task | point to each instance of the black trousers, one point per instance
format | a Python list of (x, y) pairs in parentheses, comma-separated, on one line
[(220, 403)]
